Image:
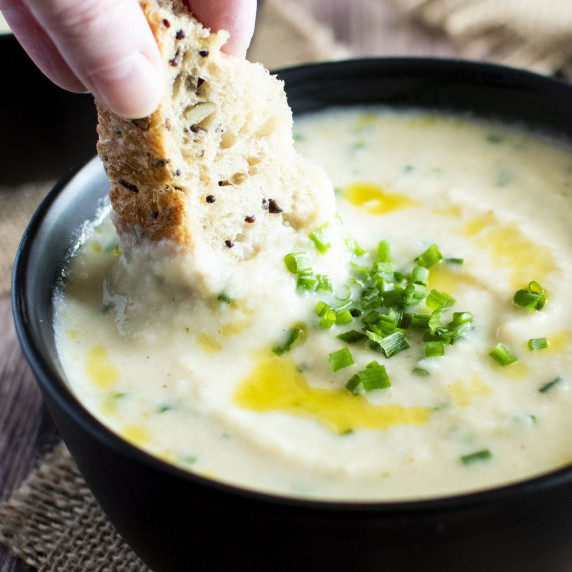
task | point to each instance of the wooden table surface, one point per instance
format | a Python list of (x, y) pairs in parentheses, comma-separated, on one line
[(369, 28)]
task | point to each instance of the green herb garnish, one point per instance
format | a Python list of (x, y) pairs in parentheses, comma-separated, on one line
[(547, 386), (298, 263), (502, 355), (430, 257), (394, 343), (439, 300), (351, 337), (482, 455), (296, 334), (318, 237), (340, 359), (531, 299), (537, 344), (434, 349), (374, 376)]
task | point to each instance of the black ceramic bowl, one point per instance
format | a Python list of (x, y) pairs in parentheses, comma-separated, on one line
[(179, 521), (44, 128)]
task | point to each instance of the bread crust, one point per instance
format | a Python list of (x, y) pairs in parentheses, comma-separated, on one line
[(214, 167)]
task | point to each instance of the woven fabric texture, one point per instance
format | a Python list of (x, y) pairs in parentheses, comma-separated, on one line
[(531, 34)]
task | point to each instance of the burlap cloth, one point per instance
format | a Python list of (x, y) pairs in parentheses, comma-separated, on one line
[(52, 521), (532, 34)]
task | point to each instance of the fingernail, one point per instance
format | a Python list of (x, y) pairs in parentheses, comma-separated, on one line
[(131, 88)]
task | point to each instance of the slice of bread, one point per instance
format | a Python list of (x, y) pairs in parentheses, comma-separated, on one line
[(213, 169)]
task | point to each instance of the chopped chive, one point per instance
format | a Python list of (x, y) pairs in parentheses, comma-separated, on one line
[(351, 243), (376, 339), (343, 318), (324, 283), (403, 318), (439, 300), (317, 236), (420, 275), (328, 319), (374, 376), (393, 297), (360, 272), (298, 262), (385, 326), (306, 282), (460, 318), (454, 260), (414, 294), (420, 371), (537, 344), (494, 138), (550, 384), (222, 297), (371, 318), (434, 322), (384, 252), (534, 286), (296, 333), (482, 455), (430, 257), (345, 432), (502, 355), (420, 321), (351, 336), (399, 277), (394, 344), (321, 308), (354, 384), (164, 408), (434, 349), (531, 299), (340, 359)]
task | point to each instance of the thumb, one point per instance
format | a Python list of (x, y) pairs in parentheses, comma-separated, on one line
[(109, 46)]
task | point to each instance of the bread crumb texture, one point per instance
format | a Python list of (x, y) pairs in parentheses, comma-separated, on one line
[(214, 167)]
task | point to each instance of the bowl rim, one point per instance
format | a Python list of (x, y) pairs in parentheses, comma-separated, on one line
[(55, 386)]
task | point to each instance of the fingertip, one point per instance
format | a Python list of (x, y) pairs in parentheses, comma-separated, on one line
[(235, 16), (132, 87)]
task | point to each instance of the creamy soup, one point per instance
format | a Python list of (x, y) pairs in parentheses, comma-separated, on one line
[(417, 345)]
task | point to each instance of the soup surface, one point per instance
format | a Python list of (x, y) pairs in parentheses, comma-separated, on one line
[(383, 356)]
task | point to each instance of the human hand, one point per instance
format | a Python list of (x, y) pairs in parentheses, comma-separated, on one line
[(106, 46)]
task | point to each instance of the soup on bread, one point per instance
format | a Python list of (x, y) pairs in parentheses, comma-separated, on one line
[(415, 345)]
